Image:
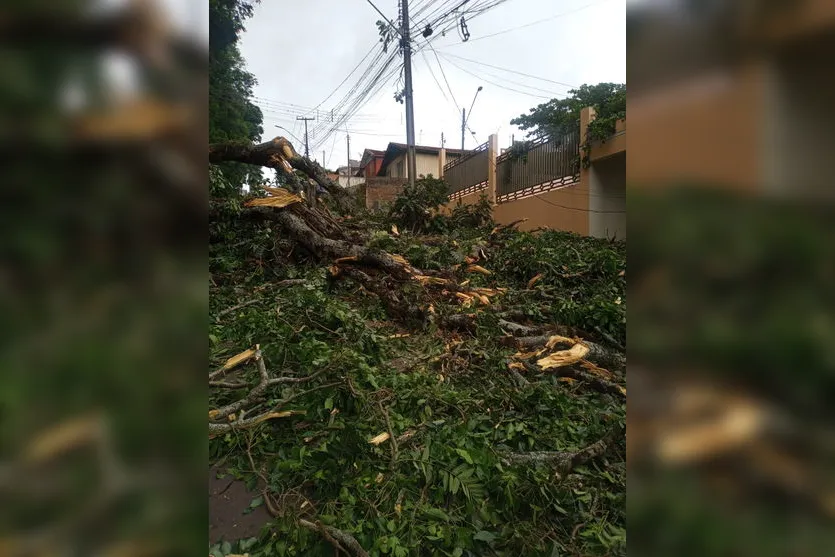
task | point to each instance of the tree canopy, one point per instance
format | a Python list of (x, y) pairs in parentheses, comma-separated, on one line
[(561, 116), (232, 114)]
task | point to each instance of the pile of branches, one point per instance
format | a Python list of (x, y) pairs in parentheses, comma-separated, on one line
[(410, 297)]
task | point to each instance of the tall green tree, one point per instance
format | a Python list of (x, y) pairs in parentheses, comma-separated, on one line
[(232, 114), (558, 117)]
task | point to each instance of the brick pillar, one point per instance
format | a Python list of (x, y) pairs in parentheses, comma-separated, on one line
[(492, 153), (441, 162), (586, 116)]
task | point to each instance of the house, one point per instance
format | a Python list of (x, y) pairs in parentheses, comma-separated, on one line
[(370, 163), (427, 160), (347, 175), (385, 173)]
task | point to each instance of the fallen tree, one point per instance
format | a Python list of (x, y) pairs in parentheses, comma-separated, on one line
[(422, 343)]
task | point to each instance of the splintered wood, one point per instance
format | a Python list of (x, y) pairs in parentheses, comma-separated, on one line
[(278, 198)]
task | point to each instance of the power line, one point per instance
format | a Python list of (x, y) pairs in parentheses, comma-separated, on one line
[(525, 86), (355, 96), (537, 22), (369, 92), (443, 73), (511, 71), (438, 83), (364, 58), (499, 85)]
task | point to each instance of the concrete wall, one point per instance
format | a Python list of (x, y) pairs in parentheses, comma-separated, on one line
[(607, 197), (381, 192), (704, 130), (562, 209), (470, 199), (346, 181)]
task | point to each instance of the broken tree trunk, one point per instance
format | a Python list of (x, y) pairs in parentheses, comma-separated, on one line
[(302, 234), (277, 153)]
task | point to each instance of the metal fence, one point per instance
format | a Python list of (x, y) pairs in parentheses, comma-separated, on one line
[(540, 166), (467, 173)]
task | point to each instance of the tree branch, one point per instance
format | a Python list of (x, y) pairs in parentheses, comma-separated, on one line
[(344, 539), (565, 462)]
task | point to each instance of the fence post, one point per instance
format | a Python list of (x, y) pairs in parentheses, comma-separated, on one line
[(441, 162), (587, 114), (492, 153)]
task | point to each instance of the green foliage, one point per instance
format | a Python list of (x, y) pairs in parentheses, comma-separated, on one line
[(559, 117), (232, 115), (417, 209), (583, 278), (413, 208), (447, 491)]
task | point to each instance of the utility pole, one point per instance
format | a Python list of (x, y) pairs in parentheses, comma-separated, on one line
[(306, 147), (348, 137), (405, 33), (443, 141), (323, 158), (463, 125)]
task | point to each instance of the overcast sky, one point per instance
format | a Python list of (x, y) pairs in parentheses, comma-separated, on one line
[(301, 51)]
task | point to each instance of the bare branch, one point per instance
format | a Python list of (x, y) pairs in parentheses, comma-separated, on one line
[(345, 539), (565, 462)]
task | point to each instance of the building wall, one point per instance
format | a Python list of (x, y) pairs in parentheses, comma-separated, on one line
[(706, 130), (607, 197), (561, 209), (373, 167), (381, 192), (346, 181), (424, 164)]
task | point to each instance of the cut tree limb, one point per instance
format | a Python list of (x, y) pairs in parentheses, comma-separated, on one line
[(605, 357), (565, 462), (344, 539), (220, 418)]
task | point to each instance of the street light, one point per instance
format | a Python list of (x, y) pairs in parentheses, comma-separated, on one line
[(465, 117)]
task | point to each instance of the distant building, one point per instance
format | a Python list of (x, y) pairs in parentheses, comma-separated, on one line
[(427, 160), (370, 163), (347, 176)]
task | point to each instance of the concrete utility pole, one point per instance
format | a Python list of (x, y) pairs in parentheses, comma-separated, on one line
[(443, 141), (463, 125), (348, 137), (323, 158), (306, 147), (405, 32)]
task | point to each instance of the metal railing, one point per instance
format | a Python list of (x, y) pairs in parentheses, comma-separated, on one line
[(469, 172), (540, 166)]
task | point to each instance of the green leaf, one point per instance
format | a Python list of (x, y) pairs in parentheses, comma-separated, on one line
[(465, 455), (437, 513), (257, 502), (329, 403), (485, 536)]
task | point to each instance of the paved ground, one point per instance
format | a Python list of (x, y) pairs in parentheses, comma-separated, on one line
[(228, 499)]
